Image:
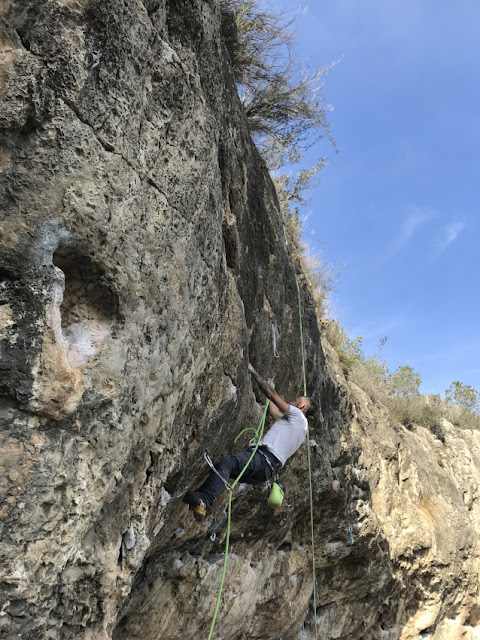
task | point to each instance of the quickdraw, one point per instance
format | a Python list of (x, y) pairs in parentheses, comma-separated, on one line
[(274, 340), (208, 460)]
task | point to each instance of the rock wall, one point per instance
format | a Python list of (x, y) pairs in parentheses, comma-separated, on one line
[(142, 263)]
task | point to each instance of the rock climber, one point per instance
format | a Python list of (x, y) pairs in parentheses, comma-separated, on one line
[(282, 440)]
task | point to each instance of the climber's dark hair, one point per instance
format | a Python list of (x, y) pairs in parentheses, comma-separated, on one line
[(311, 405)]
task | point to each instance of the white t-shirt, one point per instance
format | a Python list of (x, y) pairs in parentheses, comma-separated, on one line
[(286, 435)]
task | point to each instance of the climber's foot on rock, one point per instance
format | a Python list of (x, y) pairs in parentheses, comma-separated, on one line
[(196, 503)]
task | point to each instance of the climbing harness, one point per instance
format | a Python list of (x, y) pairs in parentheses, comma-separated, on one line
[(269, 462), (274, 340), (208, 460)]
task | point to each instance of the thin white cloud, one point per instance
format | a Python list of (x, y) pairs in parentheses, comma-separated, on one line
[(416, 218), (449, 234)]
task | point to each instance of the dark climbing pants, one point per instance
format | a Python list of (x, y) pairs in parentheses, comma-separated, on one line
[(230, 467)]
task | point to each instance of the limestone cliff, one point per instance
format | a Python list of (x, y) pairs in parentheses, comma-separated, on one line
[(142, 263)]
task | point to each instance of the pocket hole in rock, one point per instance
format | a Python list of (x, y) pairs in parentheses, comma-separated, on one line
[(89, 307)]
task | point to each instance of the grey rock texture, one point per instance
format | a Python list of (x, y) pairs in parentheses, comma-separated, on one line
[(142, 263)]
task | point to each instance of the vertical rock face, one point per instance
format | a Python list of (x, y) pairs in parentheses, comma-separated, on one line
[(142, 263)]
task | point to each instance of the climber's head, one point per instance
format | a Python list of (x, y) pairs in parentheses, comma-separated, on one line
[(303, 403)]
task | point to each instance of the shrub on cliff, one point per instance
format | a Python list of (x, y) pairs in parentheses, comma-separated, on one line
[(404, 382), (463, 403), (279, 97), (286, 115), (285, 108), (399, 390)]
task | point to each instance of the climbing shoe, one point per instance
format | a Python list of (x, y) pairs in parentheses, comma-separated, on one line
[(195, 502)]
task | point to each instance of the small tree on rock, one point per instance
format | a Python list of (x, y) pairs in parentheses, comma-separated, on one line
[(404, 382), (463, 395)]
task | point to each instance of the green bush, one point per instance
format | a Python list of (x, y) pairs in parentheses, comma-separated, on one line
[(404, 382), (418, 409), (399, 390), (464, 405), (349, 351)]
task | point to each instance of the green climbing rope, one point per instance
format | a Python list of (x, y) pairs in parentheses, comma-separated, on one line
[(309, 461), (258, 437), (304, 376), (258, 433)]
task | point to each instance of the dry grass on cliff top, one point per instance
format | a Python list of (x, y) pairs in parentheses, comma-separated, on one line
[(399, 390)]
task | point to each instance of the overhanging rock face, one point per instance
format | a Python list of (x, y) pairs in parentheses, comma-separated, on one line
[(142, 263)]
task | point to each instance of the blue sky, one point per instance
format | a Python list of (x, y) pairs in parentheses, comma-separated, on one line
[(399, 204)]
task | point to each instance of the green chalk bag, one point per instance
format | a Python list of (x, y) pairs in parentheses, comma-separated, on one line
[(275, 498)]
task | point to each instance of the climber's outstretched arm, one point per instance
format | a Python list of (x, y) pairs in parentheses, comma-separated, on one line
[(274, 411), (269, 392)]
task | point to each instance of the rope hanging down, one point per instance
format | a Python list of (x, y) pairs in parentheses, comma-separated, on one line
[(258, 437), (309, 461)]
